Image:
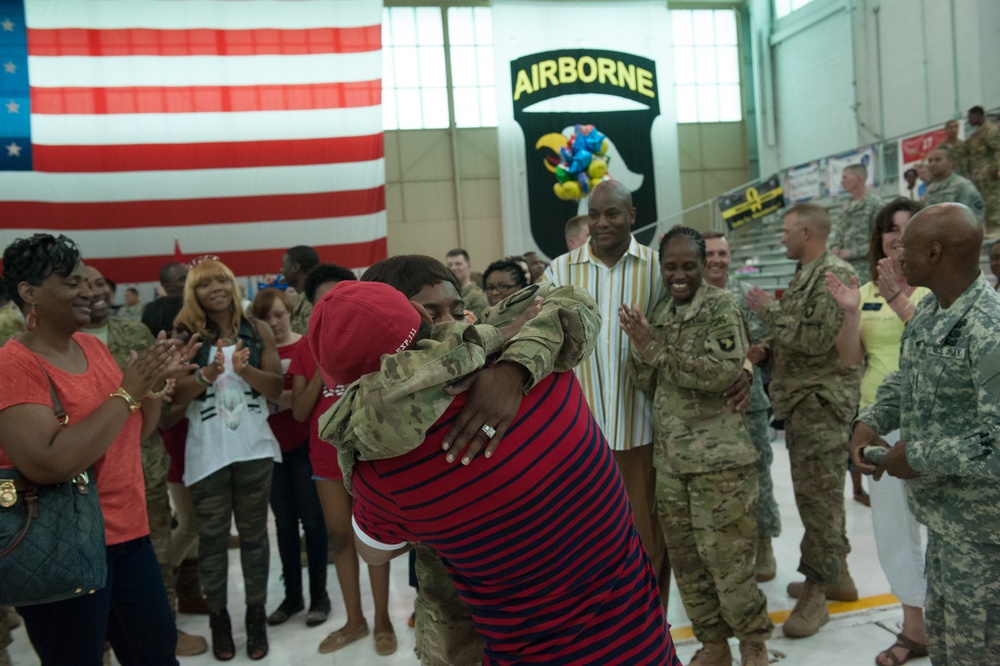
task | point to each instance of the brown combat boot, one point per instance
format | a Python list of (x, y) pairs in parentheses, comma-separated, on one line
[(753, 653), (712, 654), (840, 590), (765, 567), (190, 598), (809, 613)]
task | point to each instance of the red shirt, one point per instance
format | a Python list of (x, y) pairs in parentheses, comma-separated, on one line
[(322, 455), (290, 433), (538, 540), (120, 482)]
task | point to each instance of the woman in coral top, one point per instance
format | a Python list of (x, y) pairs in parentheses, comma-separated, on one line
[(109, 412)]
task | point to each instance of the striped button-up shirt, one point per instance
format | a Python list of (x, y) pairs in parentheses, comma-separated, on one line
[(622, 410)]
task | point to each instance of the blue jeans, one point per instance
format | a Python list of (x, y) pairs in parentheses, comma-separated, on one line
[(294, 499), (131, 611)]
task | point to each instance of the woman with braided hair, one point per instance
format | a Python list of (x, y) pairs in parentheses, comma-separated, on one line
[(693, 347)]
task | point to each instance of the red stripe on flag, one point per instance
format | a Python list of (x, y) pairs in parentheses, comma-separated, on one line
[(191, 212), (248, 262), (149, 42), (223, 155), (206, 99)]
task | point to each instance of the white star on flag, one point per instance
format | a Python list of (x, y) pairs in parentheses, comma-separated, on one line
[(13, 150), (9, 67), (8, 25), (13, 107)]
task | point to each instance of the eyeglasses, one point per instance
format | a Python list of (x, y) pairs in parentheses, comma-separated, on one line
[(500, 287)]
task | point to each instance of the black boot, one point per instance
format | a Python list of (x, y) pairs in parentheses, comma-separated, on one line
[(223, 646), (256, 631)]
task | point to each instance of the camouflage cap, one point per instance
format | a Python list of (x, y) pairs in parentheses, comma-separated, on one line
[(354, 324)]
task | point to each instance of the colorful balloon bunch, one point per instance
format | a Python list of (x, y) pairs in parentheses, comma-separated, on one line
[(584, 163)]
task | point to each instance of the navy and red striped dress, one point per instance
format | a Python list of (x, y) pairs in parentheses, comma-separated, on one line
[(538, 539)]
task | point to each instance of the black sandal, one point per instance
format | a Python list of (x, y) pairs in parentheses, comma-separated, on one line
[(914, 650), (223, 646), (256, 632)]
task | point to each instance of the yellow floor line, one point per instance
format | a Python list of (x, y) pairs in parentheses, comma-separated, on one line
[(835, 608)]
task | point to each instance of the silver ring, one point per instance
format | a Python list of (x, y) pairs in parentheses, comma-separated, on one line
[(489, 431)]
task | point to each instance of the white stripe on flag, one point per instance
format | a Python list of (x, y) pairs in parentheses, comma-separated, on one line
[(202, 14), (107, 244), (115, 71), (146, 128), (193, 184)]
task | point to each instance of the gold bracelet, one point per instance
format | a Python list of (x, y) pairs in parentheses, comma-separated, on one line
[(156, 395), (120, 392)]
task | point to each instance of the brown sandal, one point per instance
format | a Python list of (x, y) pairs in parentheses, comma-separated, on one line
[(914, 650)]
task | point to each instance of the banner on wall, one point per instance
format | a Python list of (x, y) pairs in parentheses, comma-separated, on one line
[(803, 183), (912, 153), (227, 127), (743, 206), (550, 81), (835, 168)]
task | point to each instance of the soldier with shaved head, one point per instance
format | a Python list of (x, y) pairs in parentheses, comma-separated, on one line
[(945, 400)]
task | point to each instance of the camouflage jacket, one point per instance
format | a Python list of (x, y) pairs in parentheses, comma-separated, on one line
[(854, 229), (945, 399), (300, 315), (11, 323), (387, 413), (697, 353), (982, 150), (475, 299), (956, 189), (124, 336), (804, 327), (759, 335), (960, 154)]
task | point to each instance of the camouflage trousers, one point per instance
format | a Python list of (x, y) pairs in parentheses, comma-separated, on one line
[(444, 631), (990, 190), (766, 509), (817, 448), (155, 463), (239, 490), (963, 602), (712, 541)]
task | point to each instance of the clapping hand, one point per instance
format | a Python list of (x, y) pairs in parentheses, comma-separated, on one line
[(847, 297), (635, 325)]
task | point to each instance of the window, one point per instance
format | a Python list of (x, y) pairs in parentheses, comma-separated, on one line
[(706, 66), (414, 86), (473, 77), (786, 7)]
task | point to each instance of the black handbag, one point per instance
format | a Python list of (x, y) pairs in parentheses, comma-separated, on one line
[(51, 536)]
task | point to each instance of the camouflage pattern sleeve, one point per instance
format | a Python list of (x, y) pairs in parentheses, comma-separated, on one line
[(11, 324), (126, 336), (813, 331), (475, 299), (714, 365), (387, 413), (643, 374), (557, 339)]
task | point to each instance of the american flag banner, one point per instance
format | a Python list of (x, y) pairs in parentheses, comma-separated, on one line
[(230, 127)]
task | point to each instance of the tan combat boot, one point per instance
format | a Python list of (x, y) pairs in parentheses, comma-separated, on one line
[(842, 589), (765, 567), (753, 653), (712, 654), (809, 613), (189, 645)]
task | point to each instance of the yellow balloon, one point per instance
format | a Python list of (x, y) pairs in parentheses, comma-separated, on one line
[(597, 169), (572, 190)]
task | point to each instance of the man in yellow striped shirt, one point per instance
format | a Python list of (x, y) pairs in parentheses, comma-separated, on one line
[(614, 268)]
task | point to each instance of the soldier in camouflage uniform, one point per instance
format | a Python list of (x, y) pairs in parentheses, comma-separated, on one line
[(957, 147), (475, 298), (982, 150), (945, 399), (555, 340), (717, 261), (817, 399), (11, 323), (295, 266), (850, 239), (947, 186), (122, 337), (690, 350)]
